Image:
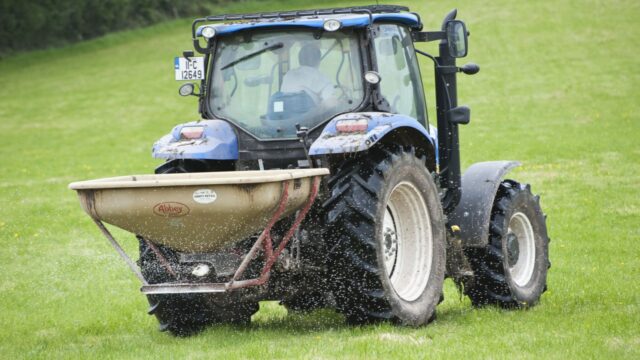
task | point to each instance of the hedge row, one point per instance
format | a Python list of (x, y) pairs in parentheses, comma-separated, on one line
[(30, 24)]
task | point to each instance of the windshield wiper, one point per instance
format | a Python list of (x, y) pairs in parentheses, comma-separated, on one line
[(253, 54)]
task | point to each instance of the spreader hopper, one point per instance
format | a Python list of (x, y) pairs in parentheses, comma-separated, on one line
[(196, 212)]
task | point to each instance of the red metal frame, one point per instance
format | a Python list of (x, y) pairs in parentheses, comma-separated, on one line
[(271, 256)]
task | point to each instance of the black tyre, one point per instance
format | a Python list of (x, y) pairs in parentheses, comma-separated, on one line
[(511, 271), (386, 238), (187, 314)]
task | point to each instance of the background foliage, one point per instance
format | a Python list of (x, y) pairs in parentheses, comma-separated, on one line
[(30, 24)]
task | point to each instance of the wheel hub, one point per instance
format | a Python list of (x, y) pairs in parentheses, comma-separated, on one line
[(390, 242), (520, 249), (406, 241), (513, 250)]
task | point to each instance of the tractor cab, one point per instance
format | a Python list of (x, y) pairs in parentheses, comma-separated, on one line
[(269, 75)]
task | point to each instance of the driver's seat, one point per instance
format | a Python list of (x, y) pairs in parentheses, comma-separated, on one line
[(285, 106)]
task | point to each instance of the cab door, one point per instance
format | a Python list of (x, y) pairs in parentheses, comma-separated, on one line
[(396, 62)]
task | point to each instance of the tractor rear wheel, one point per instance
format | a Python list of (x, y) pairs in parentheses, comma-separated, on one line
[(386, 238), (511, 271)]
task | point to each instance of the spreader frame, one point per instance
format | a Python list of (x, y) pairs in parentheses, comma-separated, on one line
[(264, 241)]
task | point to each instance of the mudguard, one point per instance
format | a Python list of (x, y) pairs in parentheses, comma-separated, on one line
[(218, 142), (379, 124), (479, 186)]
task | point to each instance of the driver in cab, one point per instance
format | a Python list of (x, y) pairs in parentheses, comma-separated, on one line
[(308, 78)]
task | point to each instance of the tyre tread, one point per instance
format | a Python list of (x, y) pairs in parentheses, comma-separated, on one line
[(355, 190)]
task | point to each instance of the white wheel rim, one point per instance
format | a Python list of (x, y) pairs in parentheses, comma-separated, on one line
[(522, 270), (407, 241)]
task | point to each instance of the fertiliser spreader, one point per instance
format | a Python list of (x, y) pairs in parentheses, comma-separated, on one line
[(202, 213)]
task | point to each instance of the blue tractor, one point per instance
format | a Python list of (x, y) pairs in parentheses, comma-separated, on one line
[(341, 89)]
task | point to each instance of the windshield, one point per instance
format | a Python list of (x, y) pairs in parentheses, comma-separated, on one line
[(270, 81)]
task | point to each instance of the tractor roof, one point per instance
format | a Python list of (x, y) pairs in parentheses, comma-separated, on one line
[(354, 17)]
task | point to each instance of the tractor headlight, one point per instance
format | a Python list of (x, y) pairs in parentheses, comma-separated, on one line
[(208, 32), (186, 89), (332, 25), (201, 270)]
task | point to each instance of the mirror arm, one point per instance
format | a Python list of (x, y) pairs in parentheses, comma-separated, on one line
[(426, 36), (447, 69), (187, 54), (202, 50)]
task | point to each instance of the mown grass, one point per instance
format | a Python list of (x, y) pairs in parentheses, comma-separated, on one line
[(558, 90)]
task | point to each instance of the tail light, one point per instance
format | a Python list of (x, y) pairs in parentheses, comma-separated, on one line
[(191, 132), (352, 125)]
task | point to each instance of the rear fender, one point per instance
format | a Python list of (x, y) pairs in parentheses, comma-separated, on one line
[(479, 187), (379, 125), (218, 142)]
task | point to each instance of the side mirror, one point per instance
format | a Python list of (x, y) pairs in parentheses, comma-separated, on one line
[(457, 38), (186, 89)]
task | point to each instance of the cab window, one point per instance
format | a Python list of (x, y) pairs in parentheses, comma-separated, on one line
[(401, 84)]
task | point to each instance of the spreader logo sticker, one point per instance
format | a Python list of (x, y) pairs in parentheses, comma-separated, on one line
[(171, 209), (204, 196)]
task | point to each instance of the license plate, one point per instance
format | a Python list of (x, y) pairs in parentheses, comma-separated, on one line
[(191, 69)]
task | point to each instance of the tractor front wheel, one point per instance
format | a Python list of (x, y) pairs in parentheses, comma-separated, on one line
[(511, 271)]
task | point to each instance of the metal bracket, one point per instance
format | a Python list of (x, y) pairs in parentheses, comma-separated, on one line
[(447, 69), (426, 36), (120, 251), (183, 288)]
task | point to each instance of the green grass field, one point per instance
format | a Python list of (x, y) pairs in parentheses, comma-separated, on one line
[(558, 90)]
